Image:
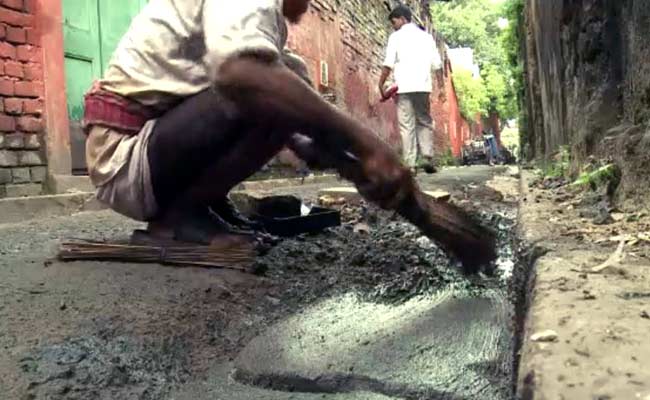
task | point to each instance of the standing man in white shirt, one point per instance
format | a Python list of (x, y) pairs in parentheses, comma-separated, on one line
[(412, 55)]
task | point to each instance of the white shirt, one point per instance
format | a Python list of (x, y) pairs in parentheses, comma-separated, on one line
[(173, 48), (413, 56)]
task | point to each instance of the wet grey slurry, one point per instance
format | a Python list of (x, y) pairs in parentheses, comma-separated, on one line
[(404, 323), (408, 325), (115, 368)]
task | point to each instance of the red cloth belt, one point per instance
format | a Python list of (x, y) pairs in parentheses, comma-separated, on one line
[(105, 108)]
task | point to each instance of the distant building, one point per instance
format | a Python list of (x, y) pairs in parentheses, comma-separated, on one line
[(463, 58)]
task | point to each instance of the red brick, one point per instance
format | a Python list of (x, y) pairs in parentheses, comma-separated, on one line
[(28, 53), (2, 109), (16, 35), (15, 69), (30, 124), (30, 6), (33, 36), (28, 89), (16, 18), (15, 4), (33, 106), (33, 72), (2, 67), (3, 31), (13, 105), (7, 87), (7, 50), (7, 123)]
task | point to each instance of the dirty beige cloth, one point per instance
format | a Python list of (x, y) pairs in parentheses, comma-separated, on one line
[(172, 50), (120, 170), (415, 126)]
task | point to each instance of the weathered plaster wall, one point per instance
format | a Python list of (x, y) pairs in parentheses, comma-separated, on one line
[(588, 82)]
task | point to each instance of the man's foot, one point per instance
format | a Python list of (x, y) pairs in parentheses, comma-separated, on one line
[(192, 225), (203, 227)]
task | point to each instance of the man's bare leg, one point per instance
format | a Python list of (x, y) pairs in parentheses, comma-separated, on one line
[(245, 158), (198, 152), (193, 154)]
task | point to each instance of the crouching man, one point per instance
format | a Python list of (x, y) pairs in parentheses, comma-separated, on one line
[(198, 97)]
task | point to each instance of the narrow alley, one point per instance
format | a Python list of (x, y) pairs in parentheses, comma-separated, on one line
[(457, 194)]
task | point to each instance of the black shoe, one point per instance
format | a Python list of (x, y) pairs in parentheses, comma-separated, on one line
[(429, 168), (428, 165)]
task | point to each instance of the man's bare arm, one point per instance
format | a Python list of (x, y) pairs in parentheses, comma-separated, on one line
[(268, 88), (271, 87)]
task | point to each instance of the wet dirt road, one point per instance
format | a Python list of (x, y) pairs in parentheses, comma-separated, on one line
[(380, 313)]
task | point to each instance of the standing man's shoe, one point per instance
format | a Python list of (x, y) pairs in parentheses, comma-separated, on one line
[(428, 166)]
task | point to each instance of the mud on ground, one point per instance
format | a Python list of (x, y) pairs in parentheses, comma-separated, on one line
[(108, 331)]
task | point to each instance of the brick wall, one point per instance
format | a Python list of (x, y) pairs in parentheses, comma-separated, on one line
[(443, 112), (22, 163)]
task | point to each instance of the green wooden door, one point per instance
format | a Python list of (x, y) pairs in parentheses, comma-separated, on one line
[(115, 18), (92, 30)]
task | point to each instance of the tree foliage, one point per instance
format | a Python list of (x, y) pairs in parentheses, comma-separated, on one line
[(511, 41), (479, 24), (472, 94)]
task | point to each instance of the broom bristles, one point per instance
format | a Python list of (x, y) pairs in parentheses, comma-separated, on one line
[(239, 256)]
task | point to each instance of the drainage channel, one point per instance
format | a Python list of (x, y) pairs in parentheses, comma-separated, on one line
[(403, 323)]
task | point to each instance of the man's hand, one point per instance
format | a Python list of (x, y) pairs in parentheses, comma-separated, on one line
[(387, 182), (378, 174), (385, 73), (382, 91)]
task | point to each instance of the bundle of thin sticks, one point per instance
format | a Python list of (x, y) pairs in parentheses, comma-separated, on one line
[(238, 256)]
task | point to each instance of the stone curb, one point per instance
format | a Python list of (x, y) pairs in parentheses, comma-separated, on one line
[(579, 338), (20, 209), (523, 374), (270, 184)]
